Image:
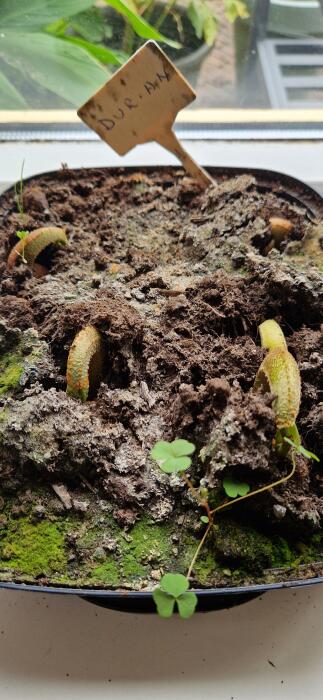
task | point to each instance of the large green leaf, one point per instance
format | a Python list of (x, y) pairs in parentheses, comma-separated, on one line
[(9, 96), (100, 52), (203, 20), (55, 64), (140, 26), (92, 25), (35, 14)]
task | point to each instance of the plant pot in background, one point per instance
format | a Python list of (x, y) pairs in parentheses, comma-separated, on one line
[(188, 59), (291, 18)]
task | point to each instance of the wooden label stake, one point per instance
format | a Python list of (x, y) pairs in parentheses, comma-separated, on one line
[(140, 103)]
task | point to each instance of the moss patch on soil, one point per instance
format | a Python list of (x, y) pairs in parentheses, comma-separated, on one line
[(11, 369), (96, 551), (33, 549)]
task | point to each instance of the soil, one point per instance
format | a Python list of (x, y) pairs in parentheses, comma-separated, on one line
[(176, 26), (177, 282)]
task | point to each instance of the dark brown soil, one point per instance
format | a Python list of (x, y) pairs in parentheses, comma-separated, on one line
[(177, 281)]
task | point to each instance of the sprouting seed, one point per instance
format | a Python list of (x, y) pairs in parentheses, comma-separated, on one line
[(279, 374), (85, 363), (31, 245)]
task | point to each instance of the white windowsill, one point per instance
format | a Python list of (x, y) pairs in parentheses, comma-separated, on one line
[(299, 159)]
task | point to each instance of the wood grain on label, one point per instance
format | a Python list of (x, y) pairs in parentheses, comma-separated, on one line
[(140, 103)]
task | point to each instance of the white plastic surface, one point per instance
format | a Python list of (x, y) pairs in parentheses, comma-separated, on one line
[(62, 648)]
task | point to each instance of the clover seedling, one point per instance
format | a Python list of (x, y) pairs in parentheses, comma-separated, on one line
[(204, 519), (22, 235), (172, 457), (32, 243), (234, 488), (280, 374), (173, 591)]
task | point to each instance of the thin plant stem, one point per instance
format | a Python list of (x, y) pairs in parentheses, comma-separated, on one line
[(188, 575), (19, 191), (202, 502), (260, 490), (128, 38), (229, 503), (169, 5), (147, 12)]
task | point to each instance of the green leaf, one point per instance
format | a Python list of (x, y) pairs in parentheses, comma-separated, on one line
[(210, 30), (9, 96), (186, 604), (92, 25), (140, 26), (301, 450), (161, 451), (203, 20), (235, 9), (55, 64), (174, 584), (100, 52), (178, 448), (57, 28), (22, 234), (175, 464), (164, 603), (182, 447), (35, 14), (204, 519), (172, 456), (234, 488), (196, 17)]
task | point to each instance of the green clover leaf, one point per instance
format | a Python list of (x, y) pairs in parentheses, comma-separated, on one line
[(173, 456), (174, 584), (186, 604), (164, 603), (234, 488), (22, 234), (173, 590), (204, 519)]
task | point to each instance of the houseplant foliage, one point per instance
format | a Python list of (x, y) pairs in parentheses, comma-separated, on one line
[(34, 43), (63, 47)]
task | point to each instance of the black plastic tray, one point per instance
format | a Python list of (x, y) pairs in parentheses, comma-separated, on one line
[(209, 598)]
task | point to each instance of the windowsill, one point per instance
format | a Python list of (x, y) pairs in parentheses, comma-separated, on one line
[(301, 159)]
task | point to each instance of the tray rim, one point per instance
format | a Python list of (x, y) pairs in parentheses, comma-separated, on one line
[(202, 593)]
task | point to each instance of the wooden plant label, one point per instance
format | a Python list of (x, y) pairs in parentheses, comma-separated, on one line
[(140, 103)]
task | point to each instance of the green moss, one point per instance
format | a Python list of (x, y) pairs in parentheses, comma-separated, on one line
[(205, 567), (11, 369), (33, 549), (146, 546), (243, 545), (282, 554), (107, 574), (148, 540), (29, 549), (148, 543), (132, 569), (250, 549), (4, 414)]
